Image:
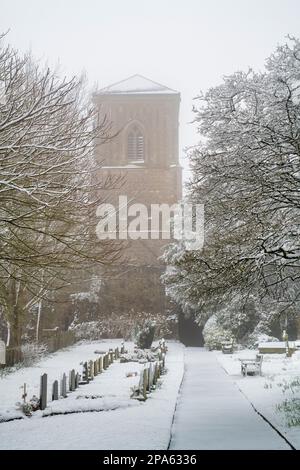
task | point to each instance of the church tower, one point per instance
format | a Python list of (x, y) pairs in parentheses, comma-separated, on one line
[(144, 155)]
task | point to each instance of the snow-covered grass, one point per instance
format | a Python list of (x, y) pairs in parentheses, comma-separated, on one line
[(269, 390), (128, 423), (55, 365)]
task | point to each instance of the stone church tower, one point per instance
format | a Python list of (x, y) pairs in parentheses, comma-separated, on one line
[(144, 154)]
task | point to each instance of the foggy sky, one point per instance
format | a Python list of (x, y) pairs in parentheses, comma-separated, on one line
[(187, 45)]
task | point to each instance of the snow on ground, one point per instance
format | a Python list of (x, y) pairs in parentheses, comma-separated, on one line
[(134, 425), (265, 392), (213, 414), (55, 365)]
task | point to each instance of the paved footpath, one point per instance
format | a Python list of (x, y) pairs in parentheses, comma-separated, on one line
[(212, 413)]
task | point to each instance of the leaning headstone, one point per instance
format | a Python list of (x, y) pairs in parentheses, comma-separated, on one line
[(55, 390), (43, 392), (63, 387), (2, 353), (72, 380)]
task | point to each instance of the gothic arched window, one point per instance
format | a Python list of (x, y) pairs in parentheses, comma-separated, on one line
[(135, 145)]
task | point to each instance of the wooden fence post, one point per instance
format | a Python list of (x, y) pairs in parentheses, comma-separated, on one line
[(43, 392)]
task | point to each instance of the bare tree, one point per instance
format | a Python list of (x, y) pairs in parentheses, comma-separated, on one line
[(48, 190)]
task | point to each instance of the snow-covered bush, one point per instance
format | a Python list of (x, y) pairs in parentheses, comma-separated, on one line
[(144, 334), (252, 341), (32, 352), (140, 355), (214, 334), (291, 410), (122, 326), (90, 330)]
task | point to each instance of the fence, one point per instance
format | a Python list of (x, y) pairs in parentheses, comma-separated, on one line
[(19, 354)]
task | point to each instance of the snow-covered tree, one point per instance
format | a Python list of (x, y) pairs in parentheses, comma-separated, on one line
[(246, 170)]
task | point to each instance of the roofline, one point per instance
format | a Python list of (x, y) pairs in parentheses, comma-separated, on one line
[(103, 91)]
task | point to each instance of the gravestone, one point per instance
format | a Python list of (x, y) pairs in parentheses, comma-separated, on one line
[(91, 370), (43, 392), (150, 377), (77, 379), (63, 390), (145, 380), (96, 367), (154, 374), (85, 373), (157, 370), (111, 356), (72, 380), (100, 364), (2, 353), (164, 360), (104, 362), (55, 390)]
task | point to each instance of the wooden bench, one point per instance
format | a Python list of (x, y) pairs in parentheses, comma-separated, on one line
[(251, 366)]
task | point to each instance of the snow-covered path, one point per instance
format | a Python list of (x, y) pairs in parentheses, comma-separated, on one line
[(212, 413)]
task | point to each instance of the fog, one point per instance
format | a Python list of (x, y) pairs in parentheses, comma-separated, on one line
[(187, 45)]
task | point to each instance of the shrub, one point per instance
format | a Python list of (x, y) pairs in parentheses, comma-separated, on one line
[(144, 334), (32, 352), (214, 334)]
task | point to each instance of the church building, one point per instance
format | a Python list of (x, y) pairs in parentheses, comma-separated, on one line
[(144, 156)]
